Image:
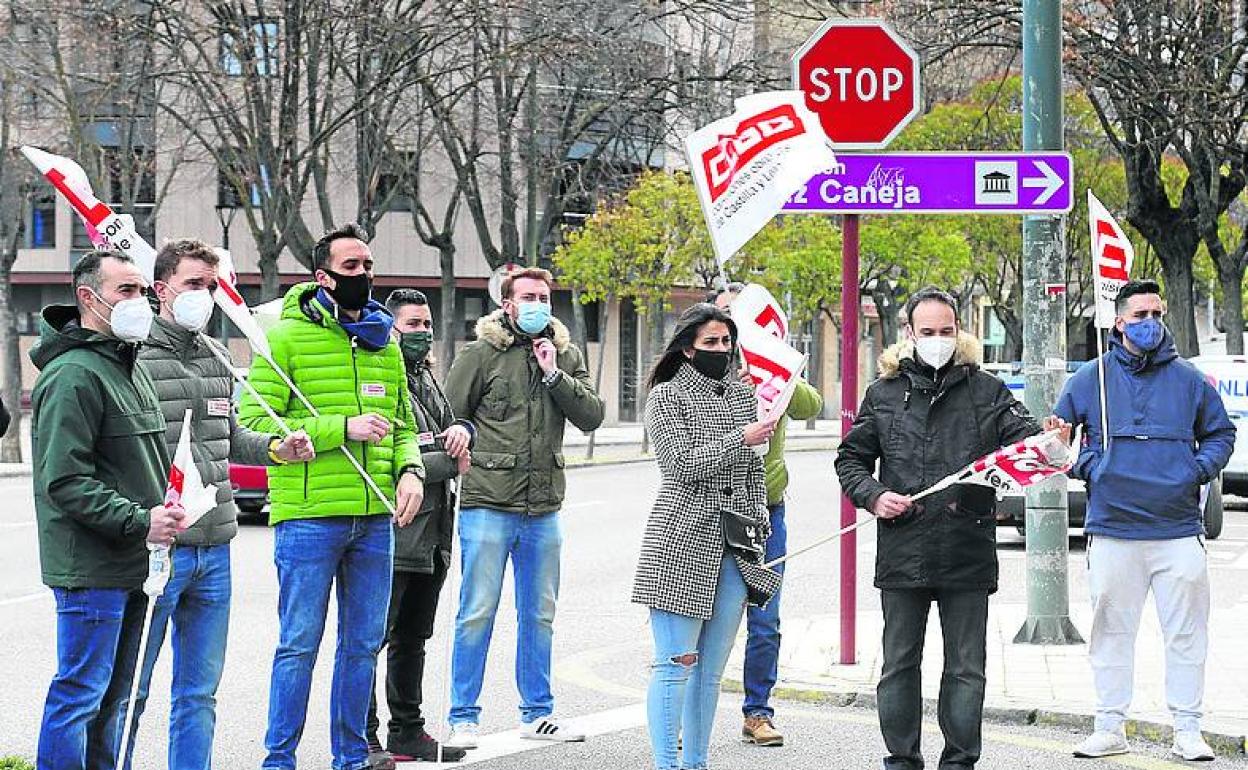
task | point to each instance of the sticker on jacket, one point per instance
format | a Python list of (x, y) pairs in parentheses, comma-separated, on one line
[(373, 390), (218, 407), (425, 439)]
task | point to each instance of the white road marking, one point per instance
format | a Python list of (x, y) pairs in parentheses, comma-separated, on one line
[(26, 598), (509, 742), (16, 524), (1241, 562), (584, 504)]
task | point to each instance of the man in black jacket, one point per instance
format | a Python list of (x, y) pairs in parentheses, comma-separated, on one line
[(4, 419), (422, 550), (932, 412)]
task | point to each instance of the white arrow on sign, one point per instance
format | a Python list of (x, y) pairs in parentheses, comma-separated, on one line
[(1051, 182)]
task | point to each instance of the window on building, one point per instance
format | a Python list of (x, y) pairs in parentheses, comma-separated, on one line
[(257, 48), (41, 229), (392, 183), (254, 180)]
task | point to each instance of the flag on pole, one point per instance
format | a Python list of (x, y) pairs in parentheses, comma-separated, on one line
[(773, 365), (186, 487), (1021, 464), (1112, 255), (102, 223), (231, 302), (747, 165), (754, 304)]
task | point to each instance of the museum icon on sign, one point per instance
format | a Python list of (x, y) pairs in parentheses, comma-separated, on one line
[(996, 183)]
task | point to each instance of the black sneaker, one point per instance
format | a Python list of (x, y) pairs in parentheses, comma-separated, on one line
[(423, 748), (379, 758)]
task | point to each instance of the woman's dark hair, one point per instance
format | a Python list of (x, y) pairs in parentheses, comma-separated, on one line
[(687, 327)]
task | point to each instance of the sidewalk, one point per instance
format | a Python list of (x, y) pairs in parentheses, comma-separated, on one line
[(1028, 684)]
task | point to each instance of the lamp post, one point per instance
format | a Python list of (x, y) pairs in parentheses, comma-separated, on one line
[(225, 215)]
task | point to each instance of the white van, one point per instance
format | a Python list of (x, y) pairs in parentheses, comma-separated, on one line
[(1229, 376)]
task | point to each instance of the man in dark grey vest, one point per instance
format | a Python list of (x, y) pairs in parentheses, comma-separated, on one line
[(189, 375)]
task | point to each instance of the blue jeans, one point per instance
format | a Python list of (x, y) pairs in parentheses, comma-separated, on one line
[(197, 600), (762, 643), (488, 538), (689, 659), (354, 554), (97, 645)]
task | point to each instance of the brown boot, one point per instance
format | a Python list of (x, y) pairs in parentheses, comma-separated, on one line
[(761, 732)]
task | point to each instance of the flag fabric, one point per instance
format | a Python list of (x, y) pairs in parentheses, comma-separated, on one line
[(1112, 255), (747, 165), (774, 366), (186, 486), (754, 304), (231, 302), (102, 223), (1021, 464)]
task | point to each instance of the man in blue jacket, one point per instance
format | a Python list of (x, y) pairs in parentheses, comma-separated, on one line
[(1168, 435)]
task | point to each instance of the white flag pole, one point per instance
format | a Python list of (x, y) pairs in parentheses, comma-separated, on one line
[(158, 565), (1100, 371), (453, 576), (368, 479), (824, 541)]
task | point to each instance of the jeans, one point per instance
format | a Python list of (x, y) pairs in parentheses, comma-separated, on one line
[(689, 659), (197, 600), (354, 554), (1120, 575), (409, 624), (97, 645), (899, 695), (762, 642), (488, 538)]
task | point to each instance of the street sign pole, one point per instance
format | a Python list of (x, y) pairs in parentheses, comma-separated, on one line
[(849, 411), (1044, 332)]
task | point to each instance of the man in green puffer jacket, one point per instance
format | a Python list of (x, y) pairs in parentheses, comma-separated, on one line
[(187, 375), (100, 470), (333, 341), (762, 643), (518, 383)]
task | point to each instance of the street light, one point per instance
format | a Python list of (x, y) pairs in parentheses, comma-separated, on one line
[(225, 215)]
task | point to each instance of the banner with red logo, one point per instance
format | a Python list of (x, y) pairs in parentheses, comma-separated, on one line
[(103, 225), (773, 365), (1017, 466), (747, 165), (1112, 255)]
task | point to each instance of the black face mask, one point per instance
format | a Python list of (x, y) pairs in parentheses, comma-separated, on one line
[(711, 363), (351, 291)]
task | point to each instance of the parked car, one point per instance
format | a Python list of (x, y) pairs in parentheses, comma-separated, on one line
[(249, 482), (1229, 376), (1011, 506)]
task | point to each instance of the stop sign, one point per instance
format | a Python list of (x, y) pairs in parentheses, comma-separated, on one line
[(861, 79)]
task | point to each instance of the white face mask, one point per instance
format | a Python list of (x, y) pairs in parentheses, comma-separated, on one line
[(192, 309), (131, 320), (935, 351)]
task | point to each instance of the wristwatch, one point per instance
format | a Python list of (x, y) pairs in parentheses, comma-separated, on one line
[(550, 378), (274, 443)]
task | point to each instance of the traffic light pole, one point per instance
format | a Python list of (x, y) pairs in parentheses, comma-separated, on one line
[(1044, 332)]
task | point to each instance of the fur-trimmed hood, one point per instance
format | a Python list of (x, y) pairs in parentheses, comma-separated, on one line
[(493, 328), (967, 351)]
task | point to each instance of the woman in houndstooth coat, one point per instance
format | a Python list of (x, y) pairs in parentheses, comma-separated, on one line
[(702, 552)]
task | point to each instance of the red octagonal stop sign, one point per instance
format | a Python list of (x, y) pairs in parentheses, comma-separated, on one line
[(861, 79)]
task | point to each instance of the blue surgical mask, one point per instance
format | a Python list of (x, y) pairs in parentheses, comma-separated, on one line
[(1145, 335), (532, 317)]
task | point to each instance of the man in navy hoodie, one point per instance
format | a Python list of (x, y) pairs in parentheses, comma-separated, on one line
[(1168, 435)]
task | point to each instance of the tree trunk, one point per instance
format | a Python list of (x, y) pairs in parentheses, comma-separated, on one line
[(448, 322), (10, 355), (886, 307), (814, 370), (270, 282), (1232, 283), (604, 316), (1181, 313)]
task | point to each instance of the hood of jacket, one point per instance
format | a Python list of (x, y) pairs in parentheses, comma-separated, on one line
[(1164, 354), (60, 332), (496, 329), (967, 351)]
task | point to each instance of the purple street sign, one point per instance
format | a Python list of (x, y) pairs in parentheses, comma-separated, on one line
[(940, 183)]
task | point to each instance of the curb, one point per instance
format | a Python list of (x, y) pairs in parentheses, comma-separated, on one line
[(15, 473), (1223, 744)]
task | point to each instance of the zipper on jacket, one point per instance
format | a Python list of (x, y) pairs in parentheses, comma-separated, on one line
[(355, 376)]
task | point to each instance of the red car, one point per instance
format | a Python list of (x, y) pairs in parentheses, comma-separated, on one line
[(249, 482)]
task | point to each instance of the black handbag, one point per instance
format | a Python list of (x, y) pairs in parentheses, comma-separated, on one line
[(743, 534)]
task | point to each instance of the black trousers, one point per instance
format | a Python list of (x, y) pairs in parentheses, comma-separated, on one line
[(899, 695), (409, 624)]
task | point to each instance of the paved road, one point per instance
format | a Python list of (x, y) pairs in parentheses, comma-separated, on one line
[(601, 643)]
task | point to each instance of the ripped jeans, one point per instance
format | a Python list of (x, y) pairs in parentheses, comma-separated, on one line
[(689, 659)]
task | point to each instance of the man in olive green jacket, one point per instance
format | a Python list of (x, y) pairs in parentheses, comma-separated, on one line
[(518, 383), (762, 644), (100, 470)]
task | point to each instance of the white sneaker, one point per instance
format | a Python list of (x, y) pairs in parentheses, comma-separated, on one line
[(547, 729), (1190, 745), (1102, 743), (464, 735)]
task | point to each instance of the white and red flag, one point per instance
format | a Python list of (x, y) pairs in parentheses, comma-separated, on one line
[(186, 487), (747, 165), (231, 302), (102, 223), (1021, 464), (773, 365), (1112, 255)]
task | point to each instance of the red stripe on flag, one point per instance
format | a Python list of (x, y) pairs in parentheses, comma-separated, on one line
[(93, 214), (232, 293)]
